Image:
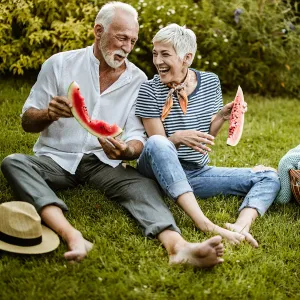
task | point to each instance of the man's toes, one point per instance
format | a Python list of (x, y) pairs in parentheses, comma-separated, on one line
[(219, 247), (214, 241), (220, 260), (74, 256), (88, 245)]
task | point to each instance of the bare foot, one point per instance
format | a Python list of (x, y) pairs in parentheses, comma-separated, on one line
[(244, 231), (78, 247), (262, 168), (201, 255), (232, 237)]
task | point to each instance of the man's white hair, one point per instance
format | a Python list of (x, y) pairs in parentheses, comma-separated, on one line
[(182, 39), (108, 10)]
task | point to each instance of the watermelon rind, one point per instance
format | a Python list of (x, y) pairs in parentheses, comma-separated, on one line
[(237, 116), (73, 87)]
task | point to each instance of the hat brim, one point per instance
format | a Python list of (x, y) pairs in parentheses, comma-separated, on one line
[(50, 242)]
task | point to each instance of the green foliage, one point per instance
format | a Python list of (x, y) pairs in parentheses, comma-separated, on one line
[(33, 30), (124, 264), (260, 50)]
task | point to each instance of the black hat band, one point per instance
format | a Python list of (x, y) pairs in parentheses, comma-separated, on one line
[(20, 241)]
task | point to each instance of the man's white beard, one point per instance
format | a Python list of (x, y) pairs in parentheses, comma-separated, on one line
[(109, 56)]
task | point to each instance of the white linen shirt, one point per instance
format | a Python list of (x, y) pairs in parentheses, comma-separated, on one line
[(65, 140)]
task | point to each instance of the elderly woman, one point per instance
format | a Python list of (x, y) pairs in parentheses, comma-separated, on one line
[(182, 112)]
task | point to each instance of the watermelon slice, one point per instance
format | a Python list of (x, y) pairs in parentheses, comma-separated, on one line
[(98, 128), (236, 122)]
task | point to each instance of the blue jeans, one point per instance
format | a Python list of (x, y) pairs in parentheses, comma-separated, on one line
[(159, 161)]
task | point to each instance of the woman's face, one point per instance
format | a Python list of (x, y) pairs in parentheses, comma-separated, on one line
[(169, 66)]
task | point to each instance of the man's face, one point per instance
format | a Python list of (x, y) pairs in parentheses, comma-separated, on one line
[(168, 64), (119, 39)]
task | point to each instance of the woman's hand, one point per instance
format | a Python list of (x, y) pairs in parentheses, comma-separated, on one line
[(226, 110), (194, 139)]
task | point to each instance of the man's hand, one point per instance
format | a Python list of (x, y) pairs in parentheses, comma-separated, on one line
[(115, 148), (194, 139), (59, 107)]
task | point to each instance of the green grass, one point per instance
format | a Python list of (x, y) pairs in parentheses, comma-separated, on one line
[(125, 265)]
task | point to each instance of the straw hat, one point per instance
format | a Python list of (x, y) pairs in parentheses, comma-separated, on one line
[(21, 230)]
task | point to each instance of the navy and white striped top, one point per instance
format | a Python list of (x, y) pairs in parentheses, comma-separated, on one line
[(203, 103)]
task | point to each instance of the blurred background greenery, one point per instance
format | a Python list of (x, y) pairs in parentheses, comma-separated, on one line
[(252, 43)]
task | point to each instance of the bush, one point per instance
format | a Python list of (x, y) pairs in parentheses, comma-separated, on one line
[(31, 31), (254, 43)]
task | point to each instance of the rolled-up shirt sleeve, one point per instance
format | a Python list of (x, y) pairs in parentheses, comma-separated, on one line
[(219, 98), (46, 86)]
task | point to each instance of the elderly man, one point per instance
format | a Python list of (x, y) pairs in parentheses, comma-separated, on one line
[(67, 155)]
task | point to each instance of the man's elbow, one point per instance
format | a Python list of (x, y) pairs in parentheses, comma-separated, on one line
[(28, 125), (25, 126)]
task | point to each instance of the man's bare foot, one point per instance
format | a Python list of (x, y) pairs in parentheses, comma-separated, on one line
[(201, 255), (232, 237), (78, 247), (244, 231)]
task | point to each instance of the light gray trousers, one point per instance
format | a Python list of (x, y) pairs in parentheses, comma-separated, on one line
[(36, 179)]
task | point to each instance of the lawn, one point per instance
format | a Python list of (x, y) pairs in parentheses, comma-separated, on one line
[(125, 265)]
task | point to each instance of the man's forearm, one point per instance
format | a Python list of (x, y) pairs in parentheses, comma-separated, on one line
[(35, 120)]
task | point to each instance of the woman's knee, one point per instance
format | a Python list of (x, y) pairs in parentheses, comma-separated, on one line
[(158, 143)]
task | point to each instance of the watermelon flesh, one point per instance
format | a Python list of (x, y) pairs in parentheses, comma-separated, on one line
[(236, 121), (97, 128)]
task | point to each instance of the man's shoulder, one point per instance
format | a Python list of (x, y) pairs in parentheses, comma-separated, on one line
[(137, 72), (66, 56)]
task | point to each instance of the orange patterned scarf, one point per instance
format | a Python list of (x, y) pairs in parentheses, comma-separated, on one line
[(181, 95)]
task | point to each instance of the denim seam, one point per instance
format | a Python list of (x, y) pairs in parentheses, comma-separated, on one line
[(154, 165)]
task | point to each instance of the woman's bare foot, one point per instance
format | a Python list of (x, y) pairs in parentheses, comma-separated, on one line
[(78, 247), (232, 237), (244, 231), (202, 255)]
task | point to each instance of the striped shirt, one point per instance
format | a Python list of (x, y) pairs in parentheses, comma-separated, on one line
[(203, 103)]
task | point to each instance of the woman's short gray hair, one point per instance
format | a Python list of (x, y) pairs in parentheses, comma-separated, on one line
[(182, 39), (107, 12)]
